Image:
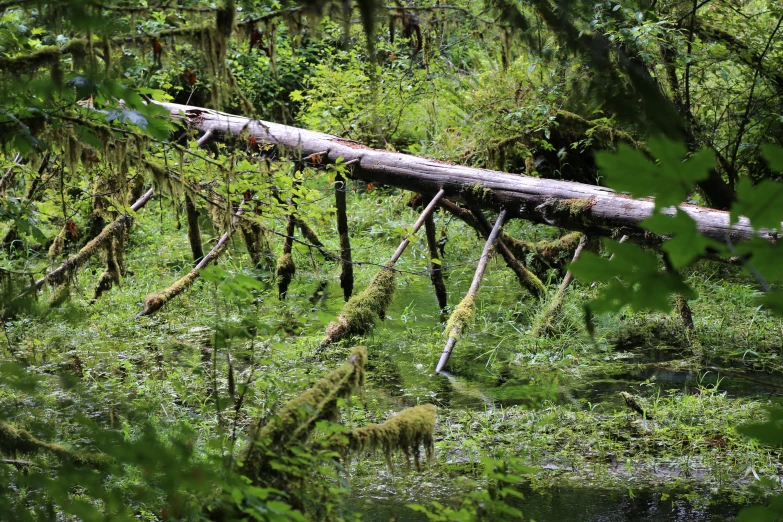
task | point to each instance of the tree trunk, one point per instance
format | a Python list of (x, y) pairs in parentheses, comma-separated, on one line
[(598, 211)]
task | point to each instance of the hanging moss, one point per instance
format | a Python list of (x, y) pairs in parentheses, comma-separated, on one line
[(298, 418), (361, 311), (461, 318), (406, 432), (56, 248), (59, 295), (15, 441), (111, 275), (286, 268)]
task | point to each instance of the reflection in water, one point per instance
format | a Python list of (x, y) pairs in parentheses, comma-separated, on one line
[(574, 504)]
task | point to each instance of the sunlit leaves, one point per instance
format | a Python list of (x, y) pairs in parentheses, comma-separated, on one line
[(669, 180)]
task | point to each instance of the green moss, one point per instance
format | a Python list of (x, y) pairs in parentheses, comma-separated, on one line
[(559, 250), (406, 432), (56, 247), (573, 208), (461, 318), (478, 194), (362, 311), (297, 419), (286, 266)]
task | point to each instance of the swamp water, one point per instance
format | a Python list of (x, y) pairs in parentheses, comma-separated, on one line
[(410, 342)]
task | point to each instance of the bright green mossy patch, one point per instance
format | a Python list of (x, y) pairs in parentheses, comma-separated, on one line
[(461, 318), (362, 311)]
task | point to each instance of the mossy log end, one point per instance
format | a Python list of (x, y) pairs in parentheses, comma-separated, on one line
[(360, 313), (16, 441), (607, 213), (406, 432)]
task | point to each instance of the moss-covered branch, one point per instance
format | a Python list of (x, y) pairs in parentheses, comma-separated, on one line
[(296, 420), (157, 300), (15, 441), (545, 322), (463, 315), (360, 313)]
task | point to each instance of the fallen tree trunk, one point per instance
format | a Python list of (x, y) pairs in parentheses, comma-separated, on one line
[(598, 211)]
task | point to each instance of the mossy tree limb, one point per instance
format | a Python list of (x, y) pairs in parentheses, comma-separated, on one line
[(157, 300), (346, 274), (62, 273), (15, 441), (545, 322), (462, 316), (360, 313), (194, 231), (296, 420)]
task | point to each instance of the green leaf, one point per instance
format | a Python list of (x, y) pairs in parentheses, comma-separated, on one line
[(772, 301), (774, 156), (669, 181), (764, 256), (632, 278), (762, 203), (687, 243)]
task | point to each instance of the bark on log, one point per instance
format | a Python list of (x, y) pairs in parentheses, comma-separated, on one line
[(601, 211)]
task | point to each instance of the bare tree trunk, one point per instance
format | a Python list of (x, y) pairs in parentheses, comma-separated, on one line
[(436, 264), (598, 211)]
